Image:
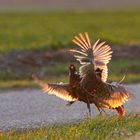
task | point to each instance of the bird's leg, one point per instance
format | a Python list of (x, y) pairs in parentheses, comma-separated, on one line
[(101, 102), (103, 110), (95, 98), (70, 103), (99, 110), (88, 105)]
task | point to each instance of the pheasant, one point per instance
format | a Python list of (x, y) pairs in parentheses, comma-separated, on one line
[(90, 84), (71, 91), (74, 81), (94, 72)]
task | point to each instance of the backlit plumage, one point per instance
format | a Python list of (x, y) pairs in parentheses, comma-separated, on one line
[(90, 84), (91, 58), (60, 90)]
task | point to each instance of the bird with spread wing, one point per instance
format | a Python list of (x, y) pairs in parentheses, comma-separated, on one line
[(90, 85), (94, 72), (71, 91)]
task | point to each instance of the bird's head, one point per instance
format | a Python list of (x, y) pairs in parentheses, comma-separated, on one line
[(72, 68)]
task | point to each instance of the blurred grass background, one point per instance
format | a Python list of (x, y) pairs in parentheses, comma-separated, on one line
[(52, 31), (22, 33)]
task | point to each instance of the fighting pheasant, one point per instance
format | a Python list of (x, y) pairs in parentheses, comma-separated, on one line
[(94, 59), (71, 91), (90, 85), (74, 82)]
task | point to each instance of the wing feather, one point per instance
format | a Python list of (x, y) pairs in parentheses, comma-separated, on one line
[(80, 52), (98, 46), (79, 44), (88, 40), (79, 40), (98, 54), (119, 95), (95, 45), (59, 90), (84, 40)]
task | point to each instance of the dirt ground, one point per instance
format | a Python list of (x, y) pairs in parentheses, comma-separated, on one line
[(26, 62)]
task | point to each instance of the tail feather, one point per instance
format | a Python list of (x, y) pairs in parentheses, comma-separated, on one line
[(41, 83), (120, 82)]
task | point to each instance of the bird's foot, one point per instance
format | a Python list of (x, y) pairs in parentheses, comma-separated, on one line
[(89, 115), (70, 103), (102, 112)]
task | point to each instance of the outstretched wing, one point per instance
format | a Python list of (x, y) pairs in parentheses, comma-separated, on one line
[(59, 90), (97, 55), (119, 95)]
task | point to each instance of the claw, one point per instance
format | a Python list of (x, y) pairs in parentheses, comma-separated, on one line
[(70, 103)]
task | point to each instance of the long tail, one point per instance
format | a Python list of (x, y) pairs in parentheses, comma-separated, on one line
[(120, 82), (41, 83)]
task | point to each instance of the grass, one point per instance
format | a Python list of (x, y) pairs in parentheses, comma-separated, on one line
[(98, 128), (25, 83), (117, 69), (59, 73), (124, 66), (56, 29), (121, 67), (22, 31)]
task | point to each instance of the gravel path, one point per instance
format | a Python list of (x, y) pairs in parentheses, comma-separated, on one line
[(27, 108)]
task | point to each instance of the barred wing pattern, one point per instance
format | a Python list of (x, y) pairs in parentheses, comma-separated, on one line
[(118, 94), (97, 55), (59, 90)]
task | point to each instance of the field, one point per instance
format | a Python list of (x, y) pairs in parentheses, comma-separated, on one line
[(56, 29), (49, 32), (129, 68), (36, 42), (108, 128)]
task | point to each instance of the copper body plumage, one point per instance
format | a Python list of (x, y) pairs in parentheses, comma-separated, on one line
[(90, 84)]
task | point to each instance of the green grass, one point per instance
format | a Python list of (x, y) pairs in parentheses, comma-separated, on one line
[(56, 29), (25, 83), (59, 73), (128, 67), (116, 68), (98, 128)]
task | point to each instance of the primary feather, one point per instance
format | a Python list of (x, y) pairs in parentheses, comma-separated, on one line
[(99, 54), (91, 58), (60, 90)]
